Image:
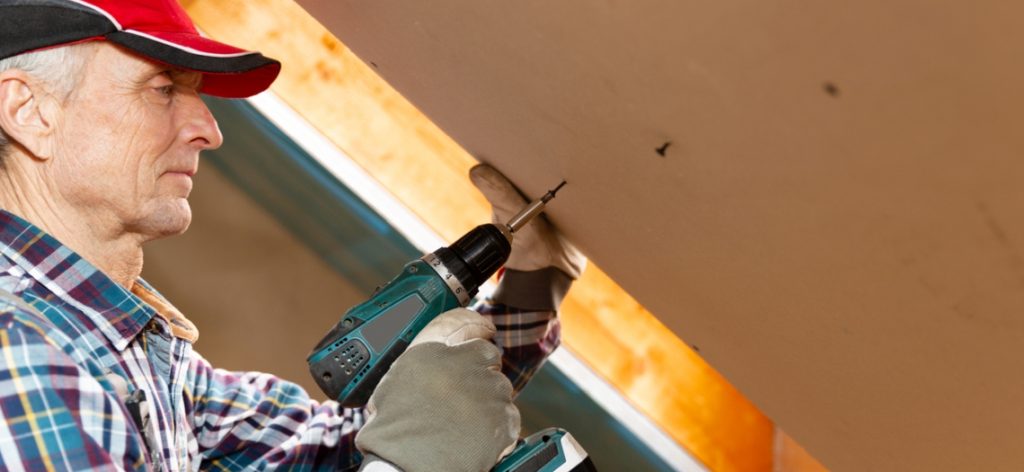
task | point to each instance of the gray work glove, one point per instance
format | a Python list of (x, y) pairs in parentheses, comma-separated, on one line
[(543, 264), (444, 404)]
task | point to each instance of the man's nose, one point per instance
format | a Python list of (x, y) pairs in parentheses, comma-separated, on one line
[(201, 129)]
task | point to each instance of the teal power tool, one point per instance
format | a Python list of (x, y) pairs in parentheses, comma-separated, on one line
[(548, 450), (351, 359)]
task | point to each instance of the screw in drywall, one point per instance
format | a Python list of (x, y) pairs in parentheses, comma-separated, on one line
[(831, 89), (663, 149)]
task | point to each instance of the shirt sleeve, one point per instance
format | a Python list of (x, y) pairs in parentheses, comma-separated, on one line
[(524, 311), (255, 421), (54, 415), (526, 338)]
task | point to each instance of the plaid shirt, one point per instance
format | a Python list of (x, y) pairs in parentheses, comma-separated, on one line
[(94, 376)]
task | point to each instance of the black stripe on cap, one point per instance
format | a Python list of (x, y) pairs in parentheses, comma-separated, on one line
[(35, 24), (187, 60)]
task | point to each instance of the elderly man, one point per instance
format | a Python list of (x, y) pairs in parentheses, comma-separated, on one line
[(102, 126)]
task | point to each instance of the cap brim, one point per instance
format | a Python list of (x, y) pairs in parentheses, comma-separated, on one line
[(29, 26), (227, 71)]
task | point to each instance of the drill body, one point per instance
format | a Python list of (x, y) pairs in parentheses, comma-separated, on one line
[(356, 353), (351, 359)]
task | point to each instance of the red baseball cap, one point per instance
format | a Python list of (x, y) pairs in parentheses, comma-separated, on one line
[(159, 30)]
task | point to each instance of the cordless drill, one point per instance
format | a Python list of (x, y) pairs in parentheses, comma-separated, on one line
[(351, 359)]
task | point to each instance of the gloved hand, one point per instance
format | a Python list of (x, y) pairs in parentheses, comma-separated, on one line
[(537, 249), (444, 404)]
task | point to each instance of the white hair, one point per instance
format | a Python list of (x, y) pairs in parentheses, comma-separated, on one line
[(60, 68)]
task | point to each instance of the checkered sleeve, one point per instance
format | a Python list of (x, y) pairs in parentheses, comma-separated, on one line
[(54, 415), (523, 309), (526, 338), (255, 421)]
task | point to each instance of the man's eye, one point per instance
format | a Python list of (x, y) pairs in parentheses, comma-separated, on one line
[(166, 90)]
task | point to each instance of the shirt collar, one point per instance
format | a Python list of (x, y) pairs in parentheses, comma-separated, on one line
[(179, 325), (119, 314)]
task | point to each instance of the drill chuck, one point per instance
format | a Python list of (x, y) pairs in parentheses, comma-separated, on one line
[(483, 251)]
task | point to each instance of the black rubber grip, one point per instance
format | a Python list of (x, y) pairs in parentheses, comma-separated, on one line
[(483, 250)]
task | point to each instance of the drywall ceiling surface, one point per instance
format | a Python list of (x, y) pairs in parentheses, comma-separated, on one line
[(836, 222)]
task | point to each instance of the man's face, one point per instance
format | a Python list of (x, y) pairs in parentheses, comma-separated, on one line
[(128, 142)]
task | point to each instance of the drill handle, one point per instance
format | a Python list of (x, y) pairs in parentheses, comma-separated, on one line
[(352, 358)]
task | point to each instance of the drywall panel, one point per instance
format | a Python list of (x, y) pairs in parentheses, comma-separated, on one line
[(835, 221)]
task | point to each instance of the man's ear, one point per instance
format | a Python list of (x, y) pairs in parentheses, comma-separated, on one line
[(26, 114)]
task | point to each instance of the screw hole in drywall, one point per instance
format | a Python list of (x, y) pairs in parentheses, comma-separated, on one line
[(831, 88), (695, 348), (663, 149), (374, 64)]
